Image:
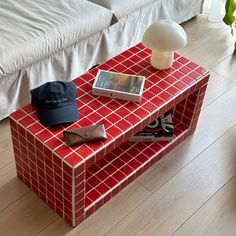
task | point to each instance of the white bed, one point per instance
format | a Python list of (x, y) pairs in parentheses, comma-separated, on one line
[(48, 40)]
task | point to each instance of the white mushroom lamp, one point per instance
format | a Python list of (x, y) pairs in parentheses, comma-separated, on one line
[(163, 38)]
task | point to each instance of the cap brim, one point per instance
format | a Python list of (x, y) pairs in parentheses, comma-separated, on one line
[(59, 115)]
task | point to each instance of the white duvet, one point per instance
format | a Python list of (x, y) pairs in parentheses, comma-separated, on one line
[(32, 30)]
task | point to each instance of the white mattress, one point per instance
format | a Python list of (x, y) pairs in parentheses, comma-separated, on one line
[(32, 30)]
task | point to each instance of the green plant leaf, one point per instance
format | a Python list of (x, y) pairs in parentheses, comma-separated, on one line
[(230, 7)]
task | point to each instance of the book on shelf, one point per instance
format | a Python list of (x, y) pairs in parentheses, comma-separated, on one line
[(117, 85), (161, 129)]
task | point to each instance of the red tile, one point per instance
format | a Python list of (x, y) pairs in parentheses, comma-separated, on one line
[(145, 72), (170, 79), (44, 135), (128, 63), (95, 105), (134, 49), (94, 181), (114, 131), (183, 60), (110, 169), (95, 117), (21, 130), (126, 158), (118, 163), (28, 108), (194, 75), (111, 62), (86, 98), (201, 70), (26, 121), (118, 176), (119, 68), (133, 119), (102, 175), (148, 95), (63, 151), (102, 188), (126, 54), (136, 68), (86, 77), (141, 158), (86, 87), (18, 114), (165, 96), (181, 85), (163, 84), (95, 145), (192, 65), (176, 65), (113, 117), (123, 124), (104, 111), (156, 90), (73, 159), (93, 195), (94, 71), (119, 58), (111, 182), (84, 151), (127, 170), (86, 110), (159, 100), (35, 128), (54, 143)]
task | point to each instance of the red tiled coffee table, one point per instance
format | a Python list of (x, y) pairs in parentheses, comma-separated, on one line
[(76, 181)]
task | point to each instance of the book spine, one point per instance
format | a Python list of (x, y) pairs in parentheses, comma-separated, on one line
[(149, 139), (113, 94)]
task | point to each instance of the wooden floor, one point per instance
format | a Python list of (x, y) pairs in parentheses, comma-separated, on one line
[(191, 191)]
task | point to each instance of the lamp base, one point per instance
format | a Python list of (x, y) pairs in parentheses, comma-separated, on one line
[(162, 60)]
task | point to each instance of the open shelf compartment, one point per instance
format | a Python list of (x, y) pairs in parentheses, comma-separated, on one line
[(125, 163), (117, 169)]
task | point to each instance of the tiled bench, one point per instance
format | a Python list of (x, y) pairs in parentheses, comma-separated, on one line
[(76, 181)]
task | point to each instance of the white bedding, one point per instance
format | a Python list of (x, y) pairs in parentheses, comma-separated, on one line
[(32, 30), (87, 34), (123, 8)]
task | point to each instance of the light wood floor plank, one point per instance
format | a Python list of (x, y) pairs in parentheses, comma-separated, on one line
[(26, 216), (170, 206), (216, 87), (213, 51), (4, 125), (106, 217), (227, 67), (6, 150), (215, 120), (199, 31), (217, 217), (11, 188)]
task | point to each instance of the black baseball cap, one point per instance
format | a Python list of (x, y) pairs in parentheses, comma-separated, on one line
[(55, 102)]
